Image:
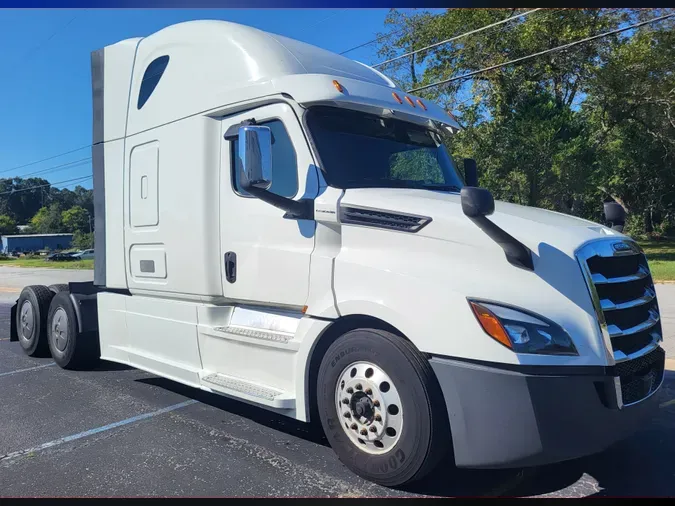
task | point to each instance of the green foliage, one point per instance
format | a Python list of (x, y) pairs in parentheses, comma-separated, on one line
[(7, 225), (75, 219), (47, 220), (83, 240), (565, 130)]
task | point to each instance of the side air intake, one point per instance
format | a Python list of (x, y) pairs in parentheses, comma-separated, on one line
[(382, 219)]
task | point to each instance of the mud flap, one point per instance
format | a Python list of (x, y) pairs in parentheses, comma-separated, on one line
[(13, 335)]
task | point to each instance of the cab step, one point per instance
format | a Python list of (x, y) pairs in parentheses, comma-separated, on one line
[(245, 389)]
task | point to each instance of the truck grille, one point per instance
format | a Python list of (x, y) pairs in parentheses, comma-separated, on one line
[(624, 297)]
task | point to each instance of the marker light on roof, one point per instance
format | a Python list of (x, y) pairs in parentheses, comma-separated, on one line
[(338, 86), (396, 97), (407, 99), (421, 104)]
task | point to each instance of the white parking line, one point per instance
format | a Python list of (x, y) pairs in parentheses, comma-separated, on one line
[(91, 432), (28, 369)]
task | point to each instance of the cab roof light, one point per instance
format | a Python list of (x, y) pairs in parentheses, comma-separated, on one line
[(421, 104), (338, 86), (491, 325), (407, 99), (396, 97)]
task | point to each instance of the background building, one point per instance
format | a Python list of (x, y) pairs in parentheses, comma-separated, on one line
[(35, 242)]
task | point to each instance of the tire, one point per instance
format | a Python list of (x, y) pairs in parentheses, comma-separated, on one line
[(70, 348), (31, 319), (60, 287), (421, 433)]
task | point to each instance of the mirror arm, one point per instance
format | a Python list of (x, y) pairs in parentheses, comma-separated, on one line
[(297, 209), (516, 252)]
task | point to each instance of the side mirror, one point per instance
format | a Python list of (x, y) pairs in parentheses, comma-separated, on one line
[(615, 215), (470, 172), (255, 157), (477, 202)]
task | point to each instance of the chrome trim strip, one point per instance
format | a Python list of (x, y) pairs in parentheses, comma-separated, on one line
[(647, 297), (617, 391), (599, 279), (620, 356), (653, 319)]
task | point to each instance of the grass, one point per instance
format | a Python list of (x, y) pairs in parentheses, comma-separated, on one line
[(661, 257), (41, 262)]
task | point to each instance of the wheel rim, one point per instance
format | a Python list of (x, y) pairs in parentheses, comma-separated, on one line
[(369, 407), (27, 322), (60, 329)]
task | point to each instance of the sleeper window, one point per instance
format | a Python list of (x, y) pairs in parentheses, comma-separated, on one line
[(284, 162)]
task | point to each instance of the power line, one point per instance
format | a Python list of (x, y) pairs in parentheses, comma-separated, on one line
[(41, 44), (326, 18), (77, 179), (505, 20), (378, 39), (56, 168), (559, 48), (44, 159)]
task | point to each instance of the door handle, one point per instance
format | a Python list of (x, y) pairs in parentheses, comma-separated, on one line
[(231, 266)]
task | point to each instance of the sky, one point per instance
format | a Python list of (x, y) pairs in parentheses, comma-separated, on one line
[(45, 85)]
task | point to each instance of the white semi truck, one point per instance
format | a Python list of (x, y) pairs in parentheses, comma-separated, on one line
[(282, 225)]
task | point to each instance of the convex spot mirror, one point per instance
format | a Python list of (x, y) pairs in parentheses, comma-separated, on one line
[(255, 157)]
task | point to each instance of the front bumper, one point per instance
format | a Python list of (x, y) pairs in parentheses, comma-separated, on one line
[(505, 417)]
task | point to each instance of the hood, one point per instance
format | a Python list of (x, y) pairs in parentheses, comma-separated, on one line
[(532, 226)]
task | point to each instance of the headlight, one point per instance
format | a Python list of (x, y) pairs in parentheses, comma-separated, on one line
[(522, 332)]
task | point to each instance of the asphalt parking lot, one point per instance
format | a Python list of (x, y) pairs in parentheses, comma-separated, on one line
[(117, 431)]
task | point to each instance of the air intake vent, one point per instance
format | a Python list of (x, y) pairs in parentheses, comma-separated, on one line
[(382, 219)]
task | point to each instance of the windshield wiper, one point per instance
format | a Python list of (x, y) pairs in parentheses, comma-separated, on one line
[(442, 187)]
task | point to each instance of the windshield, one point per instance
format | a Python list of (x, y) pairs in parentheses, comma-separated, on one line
[(360, 150)]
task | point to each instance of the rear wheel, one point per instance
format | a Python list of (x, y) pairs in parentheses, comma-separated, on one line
[(31, 319), (70, 348), (381, 407), (60, 287)]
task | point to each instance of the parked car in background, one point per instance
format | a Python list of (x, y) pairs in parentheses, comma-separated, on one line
[(61, 257), (84, 255)]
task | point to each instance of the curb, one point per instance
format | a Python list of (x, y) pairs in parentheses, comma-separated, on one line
[(670, 364)]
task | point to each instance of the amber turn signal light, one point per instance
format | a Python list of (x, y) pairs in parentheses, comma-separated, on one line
[(396, 97), (338, 86), (491, 325)]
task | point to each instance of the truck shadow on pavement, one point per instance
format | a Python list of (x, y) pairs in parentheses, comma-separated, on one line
[(642, 465)]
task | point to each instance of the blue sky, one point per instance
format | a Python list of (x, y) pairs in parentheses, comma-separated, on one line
[(45, 92)]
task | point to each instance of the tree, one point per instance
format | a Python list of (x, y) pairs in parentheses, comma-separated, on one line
[(47, 220), (75, 219), (82, 240), (7, 225), (562, 130)]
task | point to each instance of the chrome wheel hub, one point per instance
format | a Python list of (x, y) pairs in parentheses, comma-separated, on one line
[(60, 329), (369, 407), (26, 322)]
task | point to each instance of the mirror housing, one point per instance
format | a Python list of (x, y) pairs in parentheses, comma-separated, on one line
[(470, 172), (477, 202), (615, 215), (255, 157)]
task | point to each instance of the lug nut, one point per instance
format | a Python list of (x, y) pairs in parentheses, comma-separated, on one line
[(378, 418), (345, 401), (369, 391), (350, 390), (354, 427), (373, 429), (376, 403), (364, 432), (348, 414), (358, 386)]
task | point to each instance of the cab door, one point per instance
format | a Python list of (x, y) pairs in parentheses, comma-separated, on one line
[(266, 257)]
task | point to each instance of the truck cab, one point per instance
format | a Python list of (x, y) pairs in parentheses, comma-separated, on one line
[(284, 226)]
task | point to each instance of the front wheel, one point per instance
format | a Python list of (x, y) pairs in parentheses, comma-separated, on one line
[(381, 407)]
